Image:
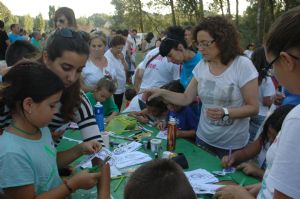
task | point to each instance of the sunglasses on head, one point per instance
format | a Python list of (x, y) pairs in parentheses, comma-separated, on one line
[(69, 33)]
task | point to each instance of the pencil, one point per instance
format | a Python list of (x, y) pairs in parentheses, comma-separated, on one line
[(242, 182), (120, 182)]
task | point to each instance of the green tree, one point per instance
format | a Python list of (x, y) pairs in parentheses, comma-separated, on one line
[(192, 8), (26, 22), (51, 14), (129, 14), (39, 23), (97, 20), (5, 13)]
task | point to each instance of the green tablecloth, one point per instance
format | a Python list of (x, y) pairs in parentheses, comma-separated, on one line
[(197, 158)]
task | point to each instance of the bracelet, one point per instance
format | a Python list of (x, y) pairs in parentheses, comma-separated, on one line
[(68, 186)]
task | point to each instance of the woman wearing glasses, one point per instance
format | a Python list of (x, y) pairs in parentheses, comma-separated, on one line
[(282, 177), (226, 83), (64, 17)]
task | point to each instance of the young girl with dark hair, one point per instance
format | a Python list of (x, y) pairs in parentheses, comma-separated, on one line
[(260, 146), (65, 54), (31, 93)]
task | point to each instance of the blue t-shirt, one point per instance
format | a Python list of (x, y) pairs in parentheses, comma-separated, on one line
[(290, 98), (187, 68), (186, 119), (25, 162), (12, 37)]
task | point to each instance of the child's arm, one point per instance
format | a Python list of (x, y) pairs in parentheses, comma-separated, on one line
[(244, 154), (140, 116), (185, 134), (104, 183), (66, 157), (109, 118), (82, 180), (251, 169), (110, 109)]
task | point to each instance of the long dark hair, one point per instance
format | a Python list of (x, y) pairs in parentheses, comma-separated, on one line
[(60, 41), (28, 79), (258, 58), (275, 121)]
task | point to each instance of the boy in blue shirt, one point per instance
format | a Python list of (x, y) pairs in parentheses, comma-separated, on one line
[(186, 119)]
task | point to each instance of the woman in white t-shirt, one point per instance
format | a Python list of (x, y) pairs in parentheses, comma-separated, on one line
[(226, 83), (117, 60), (266, 91), (282, 177), (97, 66)]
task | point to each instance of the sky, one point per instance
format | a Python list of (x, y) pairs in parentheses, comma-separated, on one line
[(81, 8)]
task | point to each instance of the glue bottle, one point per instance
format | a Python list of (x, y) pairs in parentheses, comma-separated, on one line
[(99, 114), (171, 141)]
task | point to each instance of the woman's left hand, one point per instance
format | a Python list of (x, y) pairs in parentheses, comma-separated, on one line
[(90, 147), (215, 113)]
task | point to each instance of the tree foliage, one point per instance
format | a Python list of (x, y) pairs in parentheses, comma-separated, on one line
[(39, 23), (5, 13), (51, 14)]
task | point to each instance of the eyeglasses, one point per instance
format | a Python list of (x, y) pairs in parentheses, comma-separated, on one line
[(205, 44), (270, 65), (293, 56)]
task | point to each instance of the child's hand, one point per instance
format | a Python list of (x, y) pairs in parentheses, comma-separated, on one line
[(56, 135), (90, 147), (142, 119), (253, 189), (249, 168), (226, 162), (161, 125), (84, 180)]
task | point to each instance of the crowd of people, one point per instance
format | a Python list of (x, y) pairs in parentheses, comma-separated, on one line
[(222, 97)]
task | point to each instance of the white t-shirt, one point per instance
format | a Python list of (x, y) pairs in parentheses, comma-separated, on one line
[(266, 89), (158, 72), (91, 74), (248, 53), (119, 69), (132, 42), (283, 161), (224, 91), (134, 105)]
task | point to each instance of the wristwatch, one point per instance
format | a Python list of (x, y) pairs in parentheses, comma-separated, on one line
[(226, 114)]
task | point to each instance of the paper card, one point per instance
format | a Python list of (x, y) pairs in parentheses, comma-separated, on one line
[(205, 188), (127, 147), (162, 135), (130, 159), (200, 176)]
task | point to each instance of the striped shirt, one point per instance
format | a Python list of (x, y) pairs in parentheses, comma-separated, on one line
[(84, 117)]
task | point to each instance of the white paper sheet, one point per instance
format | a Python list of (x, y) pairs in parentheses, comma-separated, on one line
[(162, 135)]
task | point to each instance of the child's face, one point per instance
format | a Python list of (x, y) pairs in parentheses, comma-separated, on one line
[(173, 108), (272, 133), (102, 94), (42, 113)]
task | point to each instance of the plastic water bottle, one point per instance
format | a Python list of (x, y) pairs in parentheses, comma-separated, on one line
[(99, 114)]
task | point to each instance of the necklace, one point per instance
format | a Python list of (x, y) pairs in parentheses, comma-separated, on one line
[(21, 130)]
